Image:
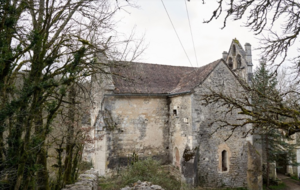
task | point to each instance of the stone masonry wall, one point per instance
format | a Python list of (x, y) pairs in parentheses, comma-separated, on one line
[(244, 69), (181, 137), (180, 126), (86, 181), (141, 127), (101, 84), (212, 144)]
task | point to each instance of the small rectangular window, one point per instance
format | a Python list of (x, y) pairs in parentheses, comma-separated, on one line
[(174, 112)]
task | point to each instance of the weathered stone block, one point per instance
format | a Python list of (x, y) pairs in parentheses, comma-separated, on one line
[(254, 172)]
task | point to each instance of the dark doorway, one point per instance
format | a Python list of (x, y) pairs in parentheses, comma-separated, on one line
[(282, 164)]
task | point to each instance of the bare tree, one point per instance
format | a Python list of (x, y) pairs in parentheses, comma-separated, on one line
[(279, 109), (46, 47), (276, 21), (277, 24)]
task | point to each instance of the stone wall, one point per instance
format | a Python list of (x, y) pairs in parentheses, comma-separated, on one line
[(101, 84), (86, 181), (175, 130), (211, 143), (245, 71), (141, 127), (180, 127), (181, 136), (254, 171), (145, 185), (136, 124)]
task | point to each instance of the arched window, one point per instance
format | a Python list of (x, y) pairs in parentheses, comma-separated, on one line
[(224, 161), (239, 61), (230, 63), (233, 50)]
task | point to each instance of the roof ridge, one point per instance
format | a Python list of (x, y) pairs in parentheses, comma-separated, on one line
[(130, 62)]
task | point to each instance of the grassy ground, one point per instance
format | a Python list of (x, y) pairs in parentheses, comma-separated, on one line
[(276, 185), (281, 186), (147, 170)]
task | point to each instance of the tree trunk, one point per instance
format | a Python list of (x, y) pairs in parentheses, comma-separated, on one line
[(42, 174), (268, 162), (70, 136), (19, 148)]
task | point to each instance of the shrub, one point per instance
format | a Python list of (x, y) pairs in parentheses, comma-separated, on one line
[(145, 170), (85, 165)]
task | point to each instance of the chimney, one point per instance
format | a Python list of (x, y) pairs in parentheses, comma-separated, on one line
[(248, 53), (225, 55)]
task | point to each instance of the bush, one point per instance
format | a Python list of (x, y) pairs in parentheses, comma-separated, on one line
[(146, 170), (85, 165)]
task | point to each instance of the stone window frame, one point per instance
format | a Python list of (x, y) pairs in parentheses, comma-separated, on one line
[(221, 148)]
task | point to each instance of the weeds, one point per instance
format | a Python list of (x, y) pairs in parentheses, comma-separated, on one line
[(281, 186), (147, 170), (85, 165)]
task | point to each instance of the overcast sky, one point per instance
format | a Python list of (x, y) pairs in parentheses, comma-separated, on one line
[(164, 47)]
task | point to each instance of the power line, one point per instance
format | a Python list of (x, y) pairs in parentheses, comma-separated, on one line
[(187, 12), (176, 32)]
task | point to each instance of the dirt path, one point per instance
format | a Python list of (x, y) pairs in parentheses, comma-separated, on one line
[(290, 183)]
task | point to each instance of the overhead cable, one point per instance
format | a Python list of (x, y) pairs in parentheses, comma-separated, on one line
[(187, 12), (176, 33)]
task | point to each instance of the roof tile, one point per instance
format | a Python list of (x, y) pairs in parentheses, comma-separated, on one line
[(145, 78)]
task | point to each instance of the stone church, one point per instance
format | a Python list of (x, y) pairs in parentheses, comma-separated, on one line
[(157, 111)]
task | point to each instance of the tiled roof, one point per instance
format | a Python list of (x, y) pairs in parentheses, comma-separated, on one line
[(194, 78), (145, 78)]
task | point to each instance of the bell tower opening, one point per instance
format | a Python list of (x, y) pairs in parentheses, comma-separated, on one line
[(239, 61), (230, 63), (233, 50)]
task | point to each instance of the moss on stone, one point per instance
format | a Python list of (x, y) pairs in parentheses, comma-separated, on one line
[(236, 41)]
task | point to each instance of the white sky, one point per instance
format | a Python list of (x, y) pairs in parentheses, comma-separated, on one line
[(163, 45)]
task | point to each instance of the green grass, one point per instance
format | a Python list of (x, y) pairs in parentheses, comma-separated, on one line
[(294, 177), (281, 186), (147, 170)]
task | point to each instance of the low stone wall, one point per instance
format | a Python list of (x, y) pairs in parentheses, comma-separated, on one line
[(86, 181), (143, 186)]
